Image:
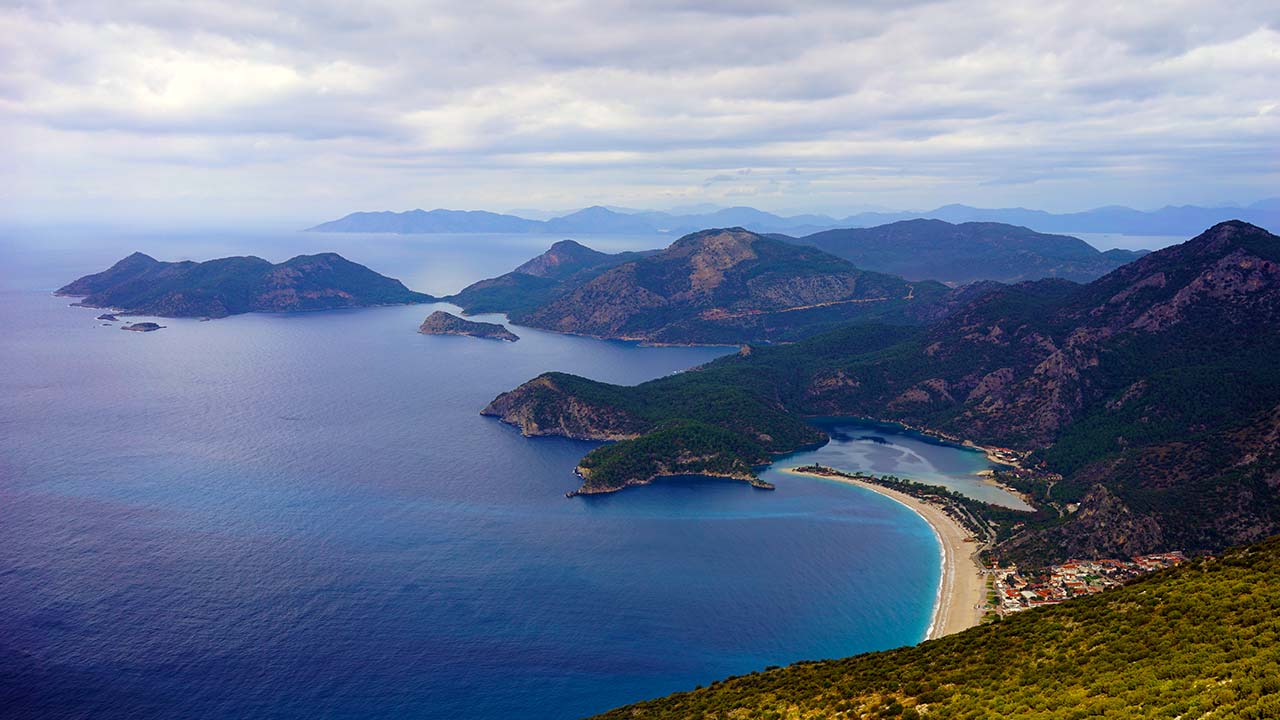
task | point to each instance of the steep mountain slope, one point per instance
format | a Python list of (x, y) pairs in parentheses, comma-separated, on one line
[(142, 285), (1153, 390), (938, 250), (730, 286), (1194, 641), (560, 269)]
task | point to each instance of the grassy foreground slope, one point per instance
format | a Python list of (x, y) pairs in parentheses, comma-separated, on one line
[(1197, 641)]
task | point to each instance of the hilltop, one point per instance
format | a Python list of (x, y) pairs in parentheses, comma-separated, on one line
[(141, 285), (563, 267), (1198, 640)]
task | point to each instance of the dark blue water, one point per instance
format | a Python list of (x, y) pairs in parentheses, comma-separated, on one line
[(305, 516)]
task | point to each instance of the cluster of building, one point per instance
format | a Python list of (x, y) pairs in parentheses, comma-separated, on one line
[(1016, 591)]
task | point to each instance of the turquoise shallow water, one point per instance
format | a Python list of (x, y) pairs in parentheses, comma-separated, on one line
[(302, 516), (887, 449)]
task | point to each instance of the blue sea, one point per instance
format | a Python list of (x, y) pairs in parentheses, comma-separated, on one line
[(300, 516)]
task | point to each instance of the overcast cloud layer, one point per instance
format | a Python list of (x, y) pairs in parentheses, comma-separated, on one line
[(308, 109)]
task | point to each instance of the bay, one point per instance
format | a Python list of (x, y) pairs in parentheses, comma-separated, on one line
[(305, 515)]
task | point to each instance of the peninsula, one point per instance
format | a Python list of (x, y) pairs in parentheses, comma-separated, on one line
[(1136, 400), (443, 323), (142, 285)]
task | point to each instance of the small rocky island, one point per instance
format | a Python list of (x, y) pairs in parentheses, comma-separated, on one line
[(142, 327), (443, 323)]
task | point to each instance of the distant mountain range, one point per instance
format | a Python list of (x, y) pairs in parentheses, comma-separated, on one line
[(1153, 391), (734, 285), (1181, 221), (142, 285)]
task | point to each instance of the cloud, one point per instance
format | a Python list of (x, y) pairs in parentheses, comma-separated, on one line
[(310, 107)]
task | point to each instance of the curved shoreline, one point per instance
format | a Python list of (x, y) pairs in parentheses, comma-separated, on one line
[(962, 585)]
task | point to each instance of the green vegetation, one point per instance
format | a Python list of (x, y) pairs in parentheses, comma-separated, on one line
[(750, 398), (1197, 641), (680, 447)]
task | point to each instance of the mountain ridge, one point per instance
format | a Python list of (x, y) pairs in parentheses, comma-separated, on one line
[(1182, 220), (968, 252)]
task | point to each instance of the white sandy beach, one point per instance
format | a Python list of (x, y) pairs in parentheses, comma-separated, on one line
[(963, 589)]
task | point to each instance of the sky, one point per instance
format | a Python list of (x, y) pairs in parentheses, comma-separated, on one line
[(202, 110)]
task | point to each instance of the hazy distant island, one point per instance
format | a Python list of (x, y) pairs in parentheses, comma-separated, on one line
[(443, 323), (967, 252), (1180, 220), (142, 285)]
